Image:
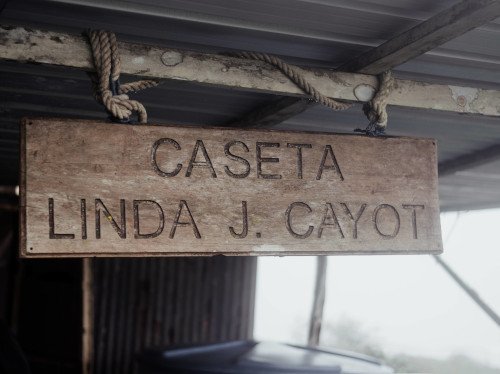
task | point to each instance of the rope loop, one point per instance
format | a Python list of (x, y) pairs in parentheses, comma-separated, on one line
[(106, 83), (109, 92), (376, 109), (296, 76)]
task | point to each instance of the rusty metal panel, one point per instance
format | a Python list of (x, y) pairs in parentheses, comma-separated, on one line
[(159, 302)]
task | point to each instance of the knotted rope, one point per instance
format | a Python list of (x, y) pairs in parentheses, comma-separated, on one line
[(296, 77), (375, 109), (107, 88), (113, 96)]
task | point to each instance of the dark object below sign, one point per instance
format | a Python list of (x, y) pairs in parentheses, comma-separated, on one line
[(238, 357)]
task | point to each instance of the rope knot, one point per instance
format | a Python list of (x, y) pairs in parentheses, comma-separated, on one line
[(107, 88), (376, 109)]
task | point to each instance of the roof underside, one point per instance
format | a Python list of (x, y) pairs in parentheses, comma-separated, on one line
[(322, 33)]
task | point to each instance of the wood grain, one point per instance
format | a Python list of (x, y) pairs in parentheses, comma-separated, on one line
[(102, 189)]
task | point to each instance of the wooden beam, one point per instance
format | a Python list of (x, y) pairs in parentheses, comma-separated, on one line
[(275, 112), (469, 161), (53, 48), (427, 35)]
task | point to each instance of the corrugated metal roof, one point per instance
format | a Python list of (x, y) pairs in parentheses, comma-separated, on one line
[(307, 32)]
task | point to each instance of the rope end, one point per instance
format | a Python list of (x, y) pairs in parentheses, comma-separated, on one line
[(373, 129)]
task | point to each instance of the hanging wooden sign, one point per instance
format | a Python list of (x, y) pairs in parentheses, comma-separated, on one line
[(99, 189)]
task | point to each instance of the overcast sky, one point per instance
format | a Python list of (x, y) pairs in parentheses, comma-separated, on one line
[(407, 303)]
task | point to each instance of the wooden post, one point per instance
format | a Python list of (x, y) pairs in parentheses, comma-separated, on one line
[(318, 302), (87, 317)]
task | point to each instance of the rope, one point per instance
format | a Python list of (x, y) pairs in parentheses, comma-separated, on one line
[(109, 92), (107, 88), (375, 109), (296, 76)]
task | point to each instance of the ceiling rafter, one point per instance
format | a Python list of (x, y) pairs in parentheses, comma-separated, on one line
[(469, 160), (437, 30)]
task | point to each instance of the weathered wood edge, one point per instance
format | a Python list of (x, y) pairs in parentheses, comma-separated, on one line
[(22, 190), (436, 188), (195, 127), (54, 48), (231, 254)]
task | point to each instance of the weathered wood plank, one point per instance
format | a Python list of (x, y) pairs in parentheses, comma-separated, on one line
[(437, 30), (101, 189), (23, 45)]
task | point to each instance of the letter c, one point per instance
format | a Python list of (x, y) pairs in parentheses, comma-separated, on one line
[(156, 168), (289, 224)]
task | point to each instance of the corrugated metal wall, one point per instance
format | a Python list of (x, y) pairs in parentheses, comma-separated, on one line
[(157, 302)]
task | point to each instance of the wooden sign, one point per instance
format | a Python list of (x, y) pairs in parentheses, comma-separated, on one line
[(100, 189)]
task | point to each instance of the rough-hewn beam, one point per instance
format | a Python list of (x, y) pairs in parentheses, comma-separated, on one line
[(469, 160), (24, 45), (427, 35)]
